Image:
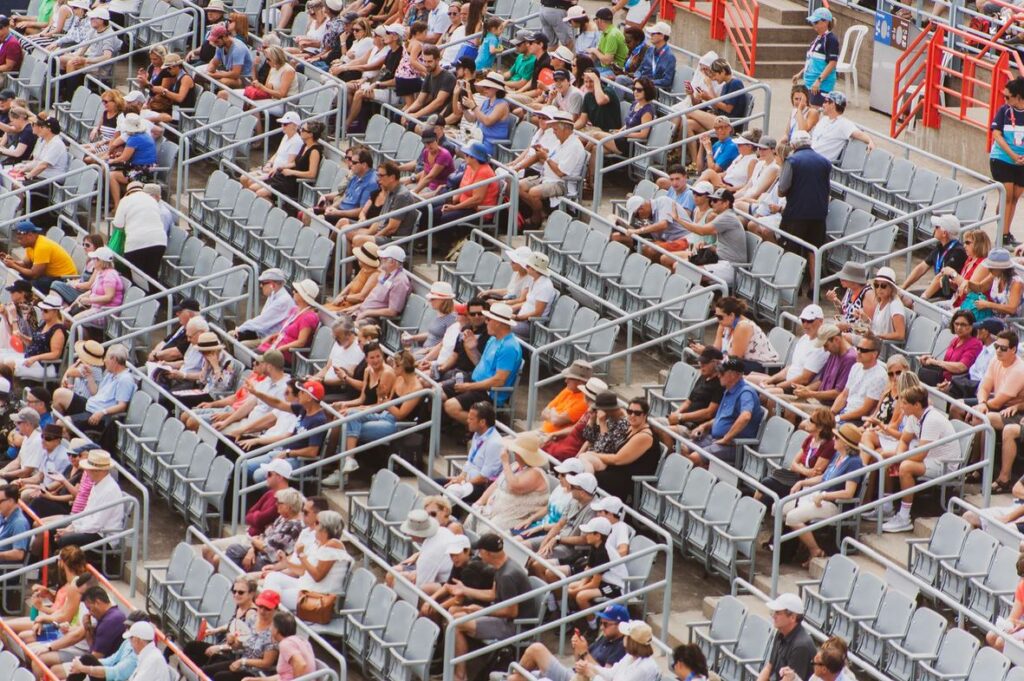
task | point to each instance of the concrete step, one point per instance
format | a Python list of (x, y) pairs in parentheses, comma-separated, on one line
[(781, 52), (777, 69), (894, 546), (783, 12)]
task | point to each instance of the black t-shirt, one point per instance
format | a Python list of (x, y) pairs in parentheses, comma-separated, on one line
[(953, 255), (177, 339), (510, 581), (705, 391), (435, 84), (794, 651), (464, 363), (27, 138), (607, 117), (307, 423)]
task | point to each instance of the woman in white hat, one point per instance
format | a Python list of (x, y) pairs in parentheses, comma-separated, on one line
[(519, 285), (46, 344), (382, 87), (493, 116), (585, 32), (136, 159), (316, 26), (75, 30), (359, 286), (284, 157), (298, 328), (107, 288), (540, 294), (889, 320), (1006, 296), (216, 377), (442, 298), (520, 490)]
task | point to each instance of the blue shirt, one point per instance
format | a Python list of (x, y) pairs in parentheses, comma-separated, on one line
[(484, 455), (145, 149), (504, 354), (498, 131), (237, 54), (484, 58), (736, 400), (823, 50), (659, 66), (849, 464), (13, 525), (111, 391), (685, 200), (358, 191), (1010, 122), (121, 665), (724, 152)]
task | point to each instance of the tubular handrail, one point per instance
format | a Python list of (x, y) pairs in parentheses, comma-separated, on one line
[(27, 651), (1009, 530), (740, 18), (26, 188)]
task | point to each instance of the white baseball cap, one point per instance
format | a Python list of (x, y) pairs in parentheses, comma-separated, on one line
[(279, 466), (633, 204), (599, 525), (703, 187), (290, 117), (141, 630), (571, 466), (393, 252), (788, 601), (458, 544), (103, 254), (812, 313), (610, 504), (585, 481)]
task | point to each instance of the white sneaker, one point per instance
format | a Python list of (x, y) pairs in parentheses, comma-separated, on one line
[(887, 513), (332, 480), (551, 603), (350, 465), (497, 676), (899, 523)]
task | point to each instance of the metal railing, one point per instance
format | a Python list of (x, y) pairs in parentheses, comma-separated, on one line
[(740, 18), (26, 652)]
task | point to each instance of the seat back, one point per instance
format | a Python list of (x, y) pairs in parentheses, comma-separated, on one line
[(989, 665)]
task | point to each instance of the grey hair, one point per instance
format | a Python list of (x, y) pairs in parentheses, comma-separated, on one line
[(290, 498), (119, 353), (343, 324), (271, 40), (197, 324), (332, 523), (897, 360)]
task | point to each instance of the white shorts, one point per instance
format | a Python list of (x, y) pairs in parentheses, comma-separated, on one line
[(1004, 624), (637, 14), (932, 468)]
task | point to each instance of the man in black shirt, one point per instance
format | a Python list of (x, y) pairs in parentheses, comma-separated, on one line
[(605, 651), (172, 348), (701, 405), (792, 647), (944, 262), (436, 93)]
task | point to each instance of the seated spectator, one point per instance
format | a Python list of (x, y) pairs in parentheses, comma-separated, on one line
[(510, 581), (441, 298), (175, 89), (172, 348), (100, 628), (607, 649), (50, 156), (519, 490), (999, 397), (598, 551), (565, 161), (739, 416), (834, 130), (570, 404), (322, 568), (151, 664), (734, 107), (231, 636), (297, 329), (46, 344), (276, 308), (30, 452), (965, 387), (433, 168), (305, 167), (541, 74), (52, 607), (397, 203), (611, 50), (518, 286), (760, 192), (1006, 297), (739, 172), (658, 219), (640, 111), (807, 360), (98, 49), (821, 505), (702, 403), (566, 442), (346, 354), (231, 65), (107, 398), (252, 649), (45, 260), (52, 462), (461, 206), (857, 297), (973, 280), (280, 83), (697, 204), (483, 465), (218, 373), (136, 159), (279, 536), (816, 452), (730, 241), (948, 253), (960, 354), (886, 423), (889, 320), (638, 455), (14, 523), (715, 149), (792, 646), (430, 566), (496, 367), (564, 96), (54, 496), (804, 116), (107, 292), (638, 663), (93, 524), (284, 157), (379, 79), (864, 386), (20, 139), (689, 663), (356, 290), (739, 337), (436, 91), (309, 417), (933, 425), (388, 297), (539, 296), (558, 537), (48, 22), (75, 30), (561, 504), (601, 110), (608, 428), (171, 375), (295, 654)]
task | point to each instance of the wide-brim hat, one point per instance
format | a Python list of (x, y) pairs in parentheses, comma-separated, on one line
[(538, 261), (52, 301), (579, 370), (593, 387), (527, 447), (563, 53), (307, 290), (855, 272), (367, 254), (209, 342), (419, 524), (606, 401), (520, 256), (133, 123), (441, 290), (850, 434), (90, 352), (493, 79), (502, 313), (886, 275), (998, 259), (97, 460)]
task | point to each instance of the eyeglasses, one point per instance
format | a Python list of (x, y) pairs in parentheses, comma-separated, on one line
[(860, 349), (358, 30), (894, 374), (961, 324), (454, 14), (807, 321), (635, 412), (877, 285), (968, 241), (638, 89), (239, 592), (1000, 348)]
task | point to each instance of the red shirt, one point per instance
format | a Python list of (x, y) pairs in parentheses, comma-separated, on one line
[(262, 513), (10, 51), (962, 351)]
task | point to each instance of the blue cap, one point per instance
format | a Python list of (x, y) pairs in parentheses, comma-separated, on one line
[(478, 151), (820, 14), (614, 613), (26, 227), (993, 325)]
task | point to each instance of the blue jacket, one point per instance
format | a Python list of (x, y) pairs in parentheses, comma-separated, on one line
[(804, 181), (659, 66)]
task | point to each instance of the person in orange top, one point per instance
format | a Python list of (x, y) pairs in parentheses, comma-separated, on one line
[(570, 404), (459, 207)]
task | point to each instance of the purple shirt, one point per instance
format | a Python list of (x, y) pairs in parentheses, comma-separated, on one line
[(391, 292), (108, 633), (836, 370)]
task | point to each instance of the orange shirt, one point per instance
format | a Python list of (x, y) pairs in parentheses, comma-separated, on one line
[(484, 172), (566, 402)]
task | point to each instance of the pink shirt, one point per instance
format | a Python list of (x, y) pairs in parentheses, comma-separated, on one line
[(966, 352), (288, 648), (293, 326), (105, 279), (84, 487)]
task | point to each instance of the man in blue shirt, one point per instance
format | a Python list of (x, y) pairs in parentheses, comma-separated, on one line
[(496, 366), (362, 183), (108, 398), (12, 524), (659, 64), (117, 667), (738, 416), (607, 649), (483, 465), (232, 62)]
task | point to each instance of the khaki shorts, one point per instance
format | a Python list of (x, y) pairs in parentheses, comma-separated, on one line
[(548, 190)]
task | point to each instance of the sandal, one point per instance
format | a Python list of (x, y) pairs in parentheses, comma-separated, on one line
[(820, 554), (1002, 487)]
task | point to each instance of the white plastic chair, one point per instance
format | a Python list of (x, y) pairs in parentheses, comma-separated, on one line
[(847, 63)]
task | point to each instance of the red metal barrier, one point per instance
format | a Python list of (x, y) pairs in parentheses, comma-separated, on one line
[(740, 25), (29, 655), (46, 538)]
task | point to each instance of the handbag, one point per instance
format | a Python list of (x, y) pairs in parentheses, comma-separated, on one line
[(116, 241), (254, 93), (315, 607)]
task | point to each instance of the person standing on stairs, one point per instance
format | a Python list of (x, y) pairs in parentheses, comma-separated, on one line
[(819, 71)]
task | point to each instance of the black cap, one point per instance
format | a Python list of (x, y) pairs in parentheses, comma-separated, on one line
[(22, 285), (604, 13), (187, 304), (40, 393), (561, 74), (490, 542), (709, 354), (731, 364), (349, 17), (428, 136), (539, 37), (51, 124), (466, 63), (4, 21), (6, 94)]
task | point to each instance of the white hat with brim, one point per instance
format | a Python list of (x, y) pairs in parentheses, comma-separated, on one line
[(290, 117), (143, 631), (494, 80), (789, 602), (502, 313), (367, 254), (593, 387), (80, 4), (273, 274), (97, 460), (575, 12), (419, 524), (441, 290), (563, 53), (885, 274), (99, 13), (571, 466), (527, 447), (307, 290), (458, 544), (662, 28), (279, 466), (520, 256), (392, 252), (52, 301), (103, 254), (539, 262), (133, 124), (598, 525)]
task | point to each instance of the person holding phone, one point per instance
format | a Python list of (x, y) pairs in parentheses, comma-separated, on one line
[(607, 649)]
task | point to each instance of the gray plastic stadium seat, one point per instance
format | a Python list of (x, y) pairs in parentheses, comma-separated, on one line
[(989, 665), (678, 385), (401, 502), (956, 653), (733, 546), (396, 630), (720, 507), (836, 583), (463, 266), (892, 620), (206, 499), (362, 504), (864, 602), (413, 660), (924, 635), (669, 481), (974, 561), (773, 442), (650, 289), (946, 541), (721, 631), (751, 649), (192, 587), (675, 514), (361, 622), (356, 599), (630, 278), (215, 597)]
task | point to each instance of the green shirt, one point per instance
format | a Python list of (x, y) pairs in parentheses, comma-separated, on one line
[(46, 10), (613, 42), (522, 69)]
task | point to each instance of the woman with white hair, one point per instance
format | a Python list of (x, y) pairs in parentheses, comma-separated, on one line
[(107, 290), (280, 535), (322, 567)]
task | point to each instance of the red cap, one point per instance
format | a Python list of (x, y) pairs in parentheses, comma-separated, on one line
[(218, 32), (269, 599), (315, 389), (461, 308)]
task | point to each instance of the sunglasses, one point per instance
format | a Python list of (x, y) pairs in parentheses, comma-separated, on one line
[(880, 285), (239, 592), (894, 374), (635, 412), (1000, 348), (860, 349)]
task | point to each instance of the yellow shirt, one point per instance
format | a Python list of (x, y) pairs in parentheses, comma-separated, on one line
[(572, 404), (58, 262)]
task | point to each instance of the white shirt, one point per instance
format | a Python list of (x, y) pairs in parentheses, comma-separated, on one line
[(271, 317), (569, 157), (541, 291), (375, 54), (167, 217), (980, 366), (287, 150), (434, 564), (806, 357), (54, 153), (274, 389), (109, 519), (448, 341), (450, 53), (630, 668), (152, 666), (934, 426), (346, 358), (360, 47), (307, 540), (546, 138), (31, 452), (829, 136), (138, 214), (334, 581), (53, 463), (438, 21), (881, 321), (864, 384)]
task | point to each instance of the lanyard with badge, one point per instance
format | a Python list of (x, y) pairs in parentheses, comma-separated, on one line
[(819, 43)]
